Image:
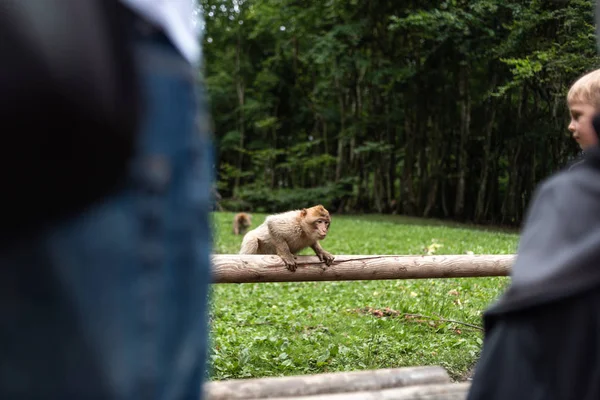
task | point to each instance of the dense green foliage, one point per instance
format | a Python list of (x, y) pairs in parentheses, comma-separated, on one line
[(451, 109), (273, 329)]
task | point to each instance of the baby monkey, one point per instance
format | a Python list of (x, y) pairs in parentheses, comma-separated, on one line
[(287, 233), (241, 223)]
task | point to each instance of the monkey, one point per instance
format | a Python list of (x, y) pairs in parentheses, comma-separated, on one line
[(287, 233), (241, 222)]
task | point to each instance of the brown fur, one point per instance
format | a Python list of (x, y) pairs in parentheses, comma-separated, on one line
[(287, 233), (241, 222)]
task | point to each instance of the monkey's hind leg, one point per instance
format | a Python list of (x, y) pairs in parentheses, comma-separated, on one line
[(250, 245)]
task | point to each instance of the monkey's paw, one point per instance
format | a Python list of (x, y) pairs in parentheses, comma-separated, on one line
[(326, 257), (289, 262)]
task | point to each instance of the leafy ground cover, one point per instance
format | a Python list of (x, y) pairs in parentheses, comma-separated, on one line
[(275, 329)]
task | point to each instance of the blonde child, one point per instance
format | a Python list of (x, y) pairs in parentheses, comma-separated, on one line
[(542, 338)]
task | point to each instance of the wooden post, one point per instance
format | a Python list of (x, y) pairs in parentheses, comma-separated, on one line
[(236, 268), (335, 382)]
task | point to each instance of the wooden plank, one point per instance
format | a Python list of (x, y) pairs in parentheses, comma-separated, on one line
[(237, 268)]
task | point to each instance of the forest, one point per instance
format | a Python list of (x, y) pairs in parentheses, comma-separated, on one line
[(439, 109)]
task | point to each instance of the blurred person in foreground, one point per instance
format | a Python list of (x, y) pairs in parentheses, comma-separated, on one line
[(542, 338), (104, 256)]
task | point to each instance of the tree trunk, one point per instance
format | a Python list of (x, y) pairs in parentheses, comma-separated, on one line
[(510, 199), (407, 189), (241, 90), (483, 179), (391, 134), (342, 135), (435, 161), (465, 122)]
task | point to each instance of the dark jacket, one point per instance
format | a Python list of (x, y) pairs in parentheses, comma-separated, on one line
[(542, 337), (578, 161), (559, 248)]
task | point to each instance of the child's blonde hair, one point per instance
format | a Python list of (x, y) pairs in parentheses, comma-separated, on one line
[(586, 90)]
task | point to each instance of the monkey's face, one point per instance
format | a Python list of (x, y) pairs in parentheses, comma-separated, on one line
[(322, 227), (243, 219), (315, 221)]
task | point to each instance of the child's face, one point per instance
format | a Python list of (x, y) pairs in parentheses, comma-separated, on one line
[(581, 124)]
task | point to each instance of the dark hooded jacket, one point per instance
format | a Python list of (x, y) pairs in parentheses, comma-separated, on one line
[(542, 337), (577, 162), (559, 248)]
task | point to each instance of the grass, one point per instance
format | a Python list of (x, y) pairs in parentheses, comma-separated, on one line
[(276, 329)]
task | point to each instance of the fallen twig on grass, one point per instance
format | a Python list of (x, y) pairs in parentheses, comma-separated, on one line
[(387, 312)]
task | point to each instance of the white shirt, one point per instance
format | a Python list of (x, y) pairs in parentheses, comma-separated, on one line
[(178, 18)]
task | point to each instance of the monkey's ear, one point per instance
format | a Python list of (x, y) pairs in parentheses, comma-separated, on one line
[(303, 212)]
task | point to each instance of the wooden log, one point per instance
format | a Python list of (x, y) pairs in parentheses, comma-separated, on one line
[(237, 268), (334, 382), (447, 391)]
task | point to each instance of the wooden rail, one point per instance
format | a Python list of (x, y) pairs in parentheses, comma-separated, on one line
[(431, 382), (443, 391), (236, 268)]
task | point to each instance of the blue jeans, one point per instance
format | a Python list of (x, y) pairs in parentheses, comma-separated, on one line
[(112, 303)]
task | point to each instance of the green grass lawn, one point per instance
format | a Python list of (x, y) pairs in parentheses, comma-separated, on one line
[(275, 329)]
